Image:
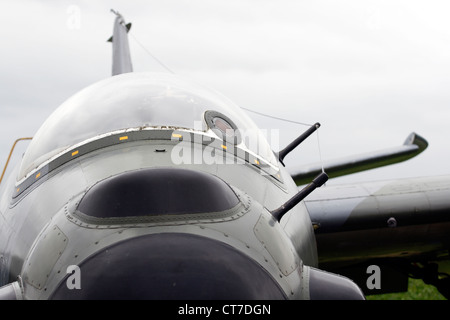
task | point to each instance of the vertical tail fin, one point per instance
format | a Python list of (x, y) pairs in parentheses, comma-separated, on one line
[(121, 49)]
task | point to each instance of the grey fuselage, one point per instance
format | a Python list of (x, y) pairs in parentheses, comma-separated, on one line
[(44, 233)]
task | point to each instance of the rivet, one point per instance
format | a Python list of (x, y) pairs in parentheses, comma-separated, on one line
[(392, 222)]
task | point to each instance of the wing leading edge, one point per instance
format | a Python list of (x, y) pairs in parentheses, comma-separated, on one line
[(413, 145)]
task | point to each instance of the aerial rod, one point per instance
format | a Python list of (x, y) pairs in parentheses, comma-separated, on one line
[(283, 153), (299, 196)]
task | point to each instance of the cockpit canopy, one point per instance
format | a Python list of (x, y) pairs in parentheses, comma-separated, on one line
[(137, 100)]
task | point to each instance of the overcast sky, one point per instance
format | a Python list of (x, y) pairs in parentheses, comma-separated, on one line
[(370, 72)]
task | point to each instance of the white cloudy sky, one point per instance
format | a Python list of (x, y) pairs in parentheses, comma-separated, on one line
[(370, 72)]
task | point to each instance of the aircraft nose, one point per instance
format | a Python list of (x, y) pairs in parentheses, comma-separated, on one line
[(171, 266), (164, 264)]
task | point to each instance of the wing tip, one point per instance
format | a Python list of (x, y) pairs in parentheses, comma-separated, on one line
[(419, 141)]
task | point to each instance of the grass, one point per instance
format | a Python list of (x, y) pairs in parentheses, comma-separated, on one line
[(417, 290)]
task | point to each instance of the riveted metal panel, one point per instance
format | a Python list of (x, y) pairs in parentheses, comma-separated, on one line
[(43, 257), (271, 235)]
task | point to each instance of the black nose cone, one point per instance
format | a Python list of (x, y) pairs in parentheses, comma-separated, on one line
[(171, 266)]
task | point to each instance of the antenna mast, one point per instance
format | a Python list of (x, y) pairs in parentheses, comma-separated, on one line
[(121, 49)]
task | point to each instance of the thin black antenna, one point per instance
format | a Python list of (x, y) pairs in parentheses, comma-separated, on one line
[(283, 153), (302, 194)]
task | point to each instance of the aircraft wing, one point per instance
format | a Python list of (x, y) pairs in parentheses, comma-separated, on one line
[(413, 145), (391, 224)]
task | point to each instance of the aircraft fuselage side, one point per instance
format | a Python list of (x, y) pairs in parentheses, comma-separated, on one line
[(46, 231), (48, 204)]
